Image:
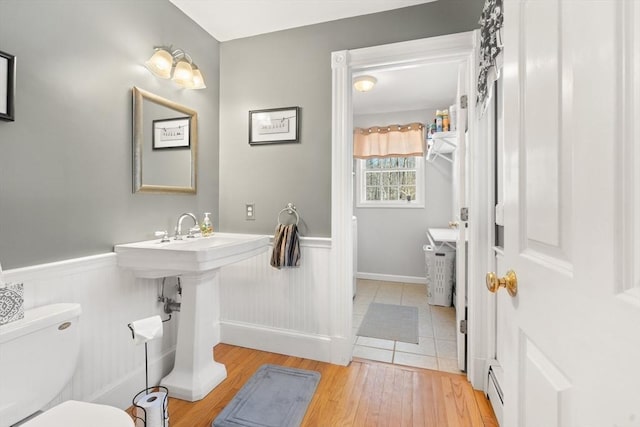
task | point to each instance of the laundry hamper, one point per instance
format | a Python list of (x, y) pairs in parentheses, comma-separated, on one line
[(440, 266)]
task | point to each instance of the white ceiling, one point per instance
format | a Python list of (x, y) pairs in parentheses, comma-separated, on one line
[(429, 86), (426, 87), (232, 19)]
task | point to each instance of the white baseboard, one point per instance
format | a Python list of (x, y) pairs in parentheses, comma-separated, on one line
[(342, 350), (121, 393), (391, 278), (308, 346)]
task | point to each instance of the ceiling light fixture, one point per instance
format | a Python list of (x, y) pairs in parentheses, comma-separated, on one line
[(176, 65), (364, 83)]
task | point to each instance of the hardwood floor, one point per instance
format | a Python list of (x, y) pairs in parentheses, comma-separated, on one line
[(366, 393)]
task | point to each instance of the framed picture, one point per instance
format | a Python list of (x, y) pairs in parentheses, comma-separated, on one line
[(172, 133), (277, 125), (7, 86)]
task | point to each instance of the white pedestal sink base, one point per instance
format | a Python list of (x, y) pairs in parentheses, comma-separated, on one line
[(195, 372), (196, 261), (183, 385)]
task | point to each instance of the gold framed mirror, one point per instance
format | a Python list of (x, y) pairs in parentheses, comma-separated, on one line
[(165, 145)]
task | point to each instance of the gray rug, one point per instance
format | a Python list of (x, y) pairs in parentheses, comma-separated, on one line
[(274, 396), (390, 322)]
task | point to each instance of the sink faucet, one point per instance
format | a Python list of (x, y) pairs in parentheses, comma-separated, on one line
[(178, 235)]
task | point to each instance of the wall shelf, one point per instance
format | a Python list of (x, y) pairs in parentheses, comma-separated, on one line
[(441, 143), (439, 237)]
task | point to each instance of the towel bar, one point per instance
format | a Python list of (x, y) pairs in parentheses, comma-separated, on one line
[(291, 210)]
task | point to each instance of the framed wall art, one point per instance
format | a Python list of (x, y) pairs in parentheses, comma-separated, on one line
[(171, 133), (7, 86), (274, 126)]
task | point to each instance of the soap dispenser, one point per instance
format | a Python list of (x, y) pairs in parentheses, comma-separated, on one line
[(207, 226)]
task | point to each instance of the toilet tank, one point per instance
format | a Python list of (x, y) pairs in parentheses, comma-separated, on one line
[(38, 356)]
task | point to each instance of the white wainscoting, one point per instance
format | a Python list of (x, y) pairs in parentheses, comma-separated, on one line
[(111, 367), (284, 311)]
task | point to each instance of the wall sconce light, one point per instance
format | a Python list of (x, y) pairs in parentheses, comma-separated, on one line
[(176, 65), (364, 83)]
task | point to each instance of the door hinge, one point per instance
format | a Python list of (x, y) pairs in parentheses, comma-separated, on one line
[(464, 101), (464, 214), (463, 326)]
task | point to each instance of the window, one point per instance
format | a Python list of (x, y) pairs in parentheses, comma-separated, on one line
[(390, 182)]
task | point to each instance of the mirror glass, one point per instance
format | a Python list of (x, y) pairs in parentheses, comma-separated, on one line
[(165, 140)]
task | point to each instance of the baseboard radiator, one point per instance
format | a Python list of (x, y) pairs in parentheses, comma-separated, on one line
[(494, 389)]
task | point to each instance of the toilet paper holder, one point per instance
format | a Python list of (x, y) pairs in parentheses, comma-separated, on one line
[(149, 390), (133, 334), (145, 419)]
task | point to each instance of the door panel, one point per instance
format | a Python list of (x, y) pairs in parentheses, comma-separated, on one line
[(568, 342), (541, 110), (545, 390), (630, 218)]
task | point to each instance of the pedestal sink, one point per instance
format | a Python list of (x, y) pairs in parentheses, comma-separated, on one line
[(197, 262)]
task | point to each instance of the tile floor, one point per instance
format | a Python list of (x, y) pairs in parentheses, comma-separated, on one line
[(436, 348)]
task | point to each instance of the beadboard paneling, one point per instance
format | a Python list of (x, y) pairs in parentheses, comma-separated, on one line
[(111, 367), (260, 304)]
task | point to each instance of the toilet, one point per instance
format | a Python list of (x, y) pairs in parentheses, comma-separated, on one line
[(38, 356)]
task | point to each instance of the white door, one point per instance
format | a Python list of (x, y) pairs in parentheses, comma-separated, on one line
[(569, 341), (460, 198)]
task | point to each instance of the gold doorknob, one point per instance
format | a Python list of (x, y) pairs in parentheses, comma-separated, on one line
[(509, 282), (453, 224)]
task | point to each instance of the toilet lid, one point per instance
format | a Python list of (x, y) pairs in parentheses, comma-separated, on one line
[(81, 414)]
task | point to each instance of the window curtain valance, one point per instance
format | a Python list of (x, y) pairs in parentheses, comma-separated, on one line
[(389, 141), (491, 47)]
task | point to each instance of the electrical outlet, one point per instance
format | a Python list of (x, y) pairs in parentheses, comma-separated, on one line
[(250, 211)]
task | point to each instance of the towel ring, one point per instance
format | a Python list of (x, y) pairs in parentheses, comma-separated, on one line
[(291, 210)]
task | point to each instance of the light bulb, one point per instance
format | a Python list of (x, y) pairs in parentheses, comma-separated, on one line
[(160, 64), (198, 79), (364, 83), (183, 74)]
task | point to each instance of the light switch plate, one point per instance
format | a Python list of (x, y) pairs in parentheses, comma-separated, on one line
[(250, 211)]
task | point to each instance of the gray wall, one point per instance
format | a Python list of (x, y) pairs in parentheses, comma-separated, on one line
[(65, 163), (390, 240), (293, 68)]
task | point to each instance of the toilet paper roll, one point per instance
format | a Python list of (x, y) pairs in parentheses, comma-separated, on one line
[(146, 329), (150, 410)]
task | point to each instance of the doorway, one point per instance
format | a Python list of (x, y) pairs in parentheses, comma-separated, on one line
[(396, 200), (456, 47)]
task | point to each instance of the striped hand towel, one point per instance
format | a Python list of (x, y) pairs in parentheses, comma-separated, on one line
[(286, 247)]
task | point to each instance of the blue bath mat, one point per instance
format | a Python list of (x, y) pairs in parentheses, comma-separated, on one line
[(274, 396), (390, 322)]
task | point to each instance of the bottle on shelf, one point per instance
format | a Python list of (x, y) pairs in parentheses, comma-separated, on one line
[(206, 227), (438, 121), (445, 121), (431, 129), (453, 117)]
